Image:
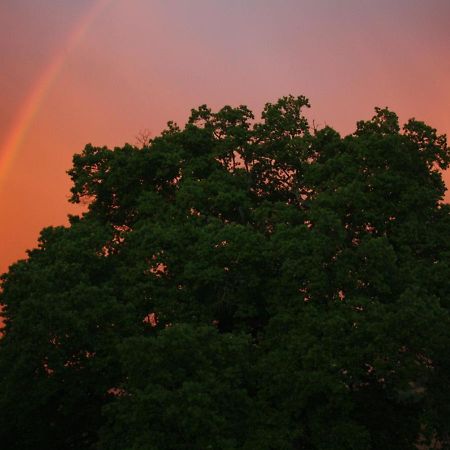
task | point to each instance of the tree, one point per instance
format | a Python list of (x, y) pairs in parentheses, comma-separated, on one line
[(239, 285)]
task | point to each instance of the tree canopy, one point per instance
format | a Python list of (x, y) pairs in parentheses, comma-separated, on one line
[(239, 284)]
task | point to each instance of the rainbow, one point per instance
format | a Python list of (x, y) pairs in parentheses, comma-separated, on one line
[(34, 100)]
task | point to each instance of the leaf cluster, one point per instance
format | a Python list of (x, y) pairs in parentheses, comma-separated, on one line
[(239, 284)]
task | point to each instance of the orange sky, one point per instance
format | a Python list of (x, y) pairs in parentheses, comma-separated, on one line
[(101, 70)]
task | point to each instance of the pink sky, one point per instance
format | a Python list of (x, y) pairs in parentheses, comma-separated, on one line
[(138, 63)]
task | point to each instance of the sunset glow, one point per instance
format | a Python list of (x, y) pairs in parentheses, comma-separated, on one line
[(100, 71)]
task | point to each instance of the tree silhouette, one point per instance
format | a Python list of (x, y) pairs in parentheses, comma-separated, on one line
[(239, 284)]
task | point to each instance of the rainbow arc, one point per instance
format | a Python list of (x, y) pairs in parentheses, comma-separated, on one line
[(39, 91)]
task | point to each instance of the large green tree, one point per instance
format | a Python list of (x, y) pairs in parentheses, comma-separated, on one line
[(239, 284)]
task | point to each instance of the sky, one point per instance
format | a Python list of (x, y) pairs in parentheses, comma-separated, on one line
[(101, 71)]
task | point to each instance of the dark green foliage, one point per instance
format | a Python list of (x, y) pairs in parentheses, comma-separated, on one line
[(186, 388), (239, 285)]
